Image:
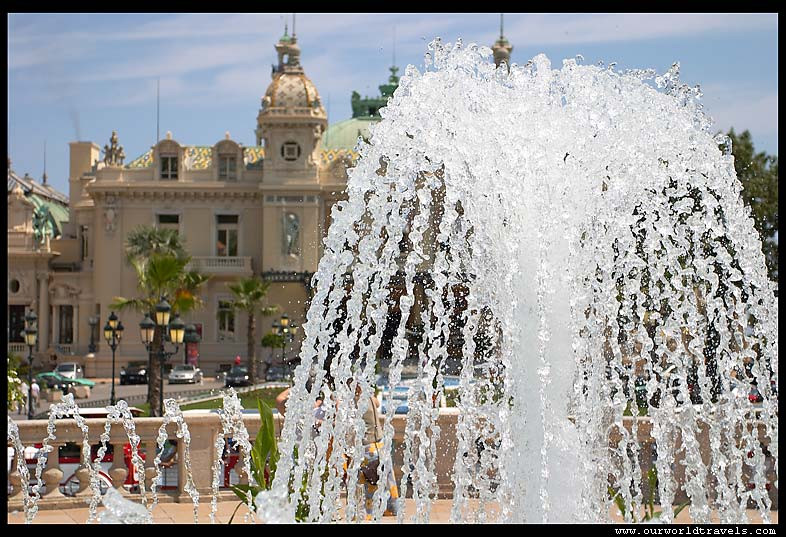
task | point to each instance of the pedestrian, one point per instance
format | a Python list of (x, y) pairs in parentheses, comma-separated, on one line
[(36, 389), (25, 393), (372, 450)]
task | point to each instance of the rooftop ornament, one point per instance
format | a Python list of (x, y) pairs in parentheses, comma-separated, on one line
[(113, 153)]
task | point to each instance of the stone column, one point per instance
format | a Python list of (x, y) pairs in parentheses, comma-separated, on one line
[(43, 312), (150, 459), (53, 474), (55, 324), (15, 478), (83, 475), (75, 328), (118, 472)]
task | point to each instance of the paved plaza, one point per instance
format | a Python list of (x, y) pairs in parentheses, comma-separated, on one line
[(182, 513)]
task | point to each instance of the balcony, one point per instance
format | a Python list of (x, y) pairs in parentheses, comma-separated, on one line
[(19, 349), (222, 266)]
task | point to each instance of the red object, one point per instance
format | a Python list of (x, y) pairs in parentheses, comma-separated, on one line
[(237, 360)]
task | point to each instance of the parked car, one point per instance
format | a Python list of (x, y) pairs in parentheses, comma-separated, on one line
[(238, 376), (185, 374), (134, 373), (71, 370), (55, 381)]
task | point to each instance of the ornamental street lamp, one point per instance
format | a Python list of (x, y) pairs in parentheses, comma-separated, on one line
[(175, 330), (286, 330), (93, 322), (113, 333), (31, 338)]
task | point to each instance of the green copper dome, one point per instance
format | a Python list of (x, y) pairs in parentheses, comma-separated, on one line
[(344, 134)]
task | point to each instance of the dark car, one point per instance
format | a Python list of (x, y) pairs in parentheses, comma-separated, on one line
[(134, 373), (238, 376)]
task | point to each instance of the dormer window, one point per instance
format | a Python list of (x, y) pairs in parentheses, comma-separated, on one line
[(290, 151), (227, 168), (169, 167)]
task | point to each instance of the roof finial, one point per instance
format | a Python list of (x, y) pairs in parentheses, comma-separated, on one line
[(501, 21), (44, 176), (394, 45), (286, 28), (293, 24)]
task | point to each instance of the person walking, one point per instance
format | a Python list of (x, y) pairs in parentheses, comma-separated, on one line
[(372, 449), (36, 389)]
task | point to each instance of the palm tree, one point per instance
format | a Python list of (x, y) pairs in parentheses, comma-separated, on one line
[(249, 293), (144, 241), (162, 276)]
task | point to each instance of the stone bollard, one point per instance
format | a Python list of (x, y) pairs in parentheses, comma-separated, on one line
[(53, 396), (80, 392)]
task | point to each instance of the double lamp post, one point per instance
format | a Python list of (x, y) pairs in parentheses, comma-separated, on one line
[(173, 331)]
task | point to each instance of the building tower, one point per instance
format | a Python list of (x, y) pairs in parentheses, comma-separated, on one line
[(501, 47), (292, 119)]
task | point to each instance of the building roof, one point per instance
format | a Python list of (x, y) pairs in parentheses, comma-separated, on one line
[(199, 157), (344, 134), (42, 195)]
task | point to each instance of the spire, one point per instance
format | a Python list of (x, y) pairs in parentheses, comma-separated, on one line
[(293, 25), (44, 176), (501, 47)]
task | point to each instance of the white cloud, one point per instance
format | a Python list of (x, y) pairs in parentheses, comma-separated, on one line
[(569, 29)]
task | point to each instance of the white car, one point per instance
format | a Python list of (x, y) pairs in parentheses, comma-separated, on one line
[(185, 374), (70, 370)]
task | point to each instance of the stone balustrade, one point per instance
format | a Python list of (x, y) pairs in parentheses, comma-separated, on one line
[(221, 265), (20, 349), (204, 428)]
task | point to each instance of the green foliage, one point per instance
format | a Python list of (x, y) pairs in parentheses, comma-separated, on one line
[(15, 394), (649, 506), (274, 341), (145, 241), (264, 461), (248, 296), (758, 173)]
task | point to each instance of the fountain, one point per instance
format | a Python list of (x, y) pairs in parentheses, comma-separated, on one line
[(576, 237), (572, 230)]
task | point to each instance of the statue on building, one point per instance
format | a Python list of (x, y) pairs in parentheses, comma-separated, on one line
[(291, 234), (44, 226), (113, 152)]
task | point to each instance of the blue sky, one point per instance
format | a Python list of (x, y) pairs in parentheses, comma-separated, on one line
[(81, 76)]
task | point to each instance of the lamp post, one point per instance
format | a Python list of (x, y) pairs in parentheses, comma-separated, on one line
[(287, 330), (113, 333), (31, 338), (174, 329), (93, 322)]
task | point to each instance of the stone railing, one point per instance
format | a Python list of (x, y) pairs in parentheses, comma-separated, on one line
[(221, 265), (20, 349), (204, 429)]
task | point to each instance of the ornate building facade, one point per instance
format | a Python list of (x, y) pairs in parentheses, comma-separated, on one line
[(241, 211), (260, 210)]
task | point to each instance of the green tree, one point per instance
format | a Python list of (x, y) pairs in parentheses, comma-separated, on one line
[(144, 241), (248, 296), (15, 394), (758, 173), (162, 276)]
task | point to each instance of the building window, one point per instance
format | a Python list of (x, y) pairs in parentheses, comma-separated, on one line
[(66, 335), (14, 286), (16, 324), (226, 321), (168, 221), (227, 168), (290, 151), (83, 230), (169, 168), (226, 240)]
